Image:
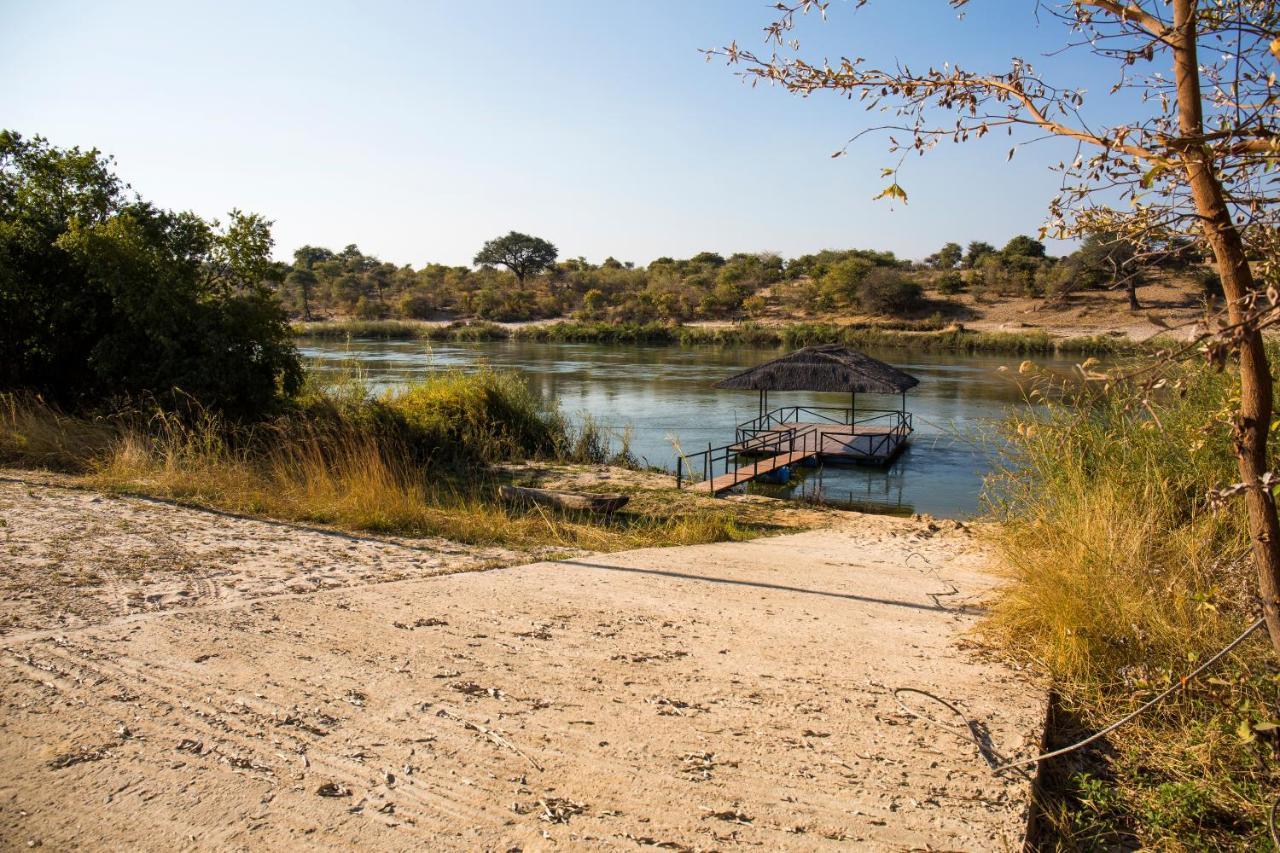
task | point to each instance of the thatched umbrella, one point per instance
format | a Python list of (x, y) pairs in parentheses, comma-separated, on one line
[(827, 367)]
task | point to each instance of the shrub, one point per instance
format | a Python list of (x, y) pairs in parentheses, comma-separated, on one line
[(951, 283), (842, 280), (368, 309), (417, 306), (488, 416), (1210, 283), (886, 291)]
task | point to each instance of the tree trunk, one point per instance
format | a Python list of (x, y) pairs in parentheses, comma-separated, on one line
[(1253, 420), (1132, 289)]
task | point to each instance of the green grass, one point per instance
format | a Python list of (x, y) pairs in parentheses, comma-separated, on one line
[(1122, 574), (925, 335)]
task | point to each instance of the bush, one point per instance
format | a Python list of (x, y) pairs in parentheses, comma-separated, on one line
[(457, 418), (842, 280), (417, 306), (368, 309), (1210, 283), (951, 283), (886, 291)]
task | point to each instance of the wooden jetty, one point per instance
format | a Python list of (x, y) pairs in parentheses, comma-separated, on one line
[(793, 435)]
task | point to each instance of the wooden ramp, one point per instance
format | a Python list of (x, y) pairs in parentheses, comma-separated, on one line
[(756, 468)]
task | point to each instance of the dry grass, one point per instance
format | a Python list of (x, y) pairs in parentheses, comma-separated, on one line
[(1123, 574), (413, 464)]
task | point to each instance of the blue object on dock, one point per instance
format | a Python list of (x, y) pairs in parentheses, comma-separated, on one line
[(780, 476)]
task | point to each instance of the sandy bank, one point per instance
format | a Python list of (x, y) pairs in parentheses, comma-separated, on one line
[(693, 698)]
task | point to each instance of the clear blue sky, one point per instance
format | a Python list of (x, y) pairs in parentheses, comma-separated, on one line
[(419, 129)]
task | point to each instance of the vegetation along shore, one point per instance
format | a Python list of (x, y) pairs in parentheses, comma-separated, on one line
[(923, 336)]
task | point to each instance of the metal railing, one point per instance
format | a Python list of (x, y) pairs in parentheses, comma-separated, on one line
[(882, 443), (782, 418), (731, 458), (791, 415), (882, 446)]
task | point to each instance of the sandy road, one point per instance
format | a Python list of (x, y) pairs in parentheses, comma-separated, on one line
[(689, 698)]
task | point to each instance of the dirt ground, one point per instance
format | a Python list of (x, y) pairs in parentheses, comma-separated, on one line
[(1173, 309), (178, 679), (1170, 307)]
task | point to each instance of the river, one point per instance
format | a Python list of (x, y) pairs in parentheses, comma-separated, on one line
[(664, 394)]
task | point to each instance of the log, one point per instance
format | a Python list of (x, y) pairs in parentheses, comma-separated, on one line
[(584, 501)]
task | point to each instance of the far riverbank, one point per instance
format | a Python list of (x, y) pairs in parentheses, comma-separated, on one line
[(914, 335)]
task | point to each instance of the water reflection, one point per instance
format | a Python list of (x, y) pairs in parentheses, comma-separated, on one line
[(664, 396)]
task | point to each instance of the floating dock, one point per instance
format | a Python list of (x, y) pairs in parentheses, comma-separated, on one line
[(780, 439), (802, 434)]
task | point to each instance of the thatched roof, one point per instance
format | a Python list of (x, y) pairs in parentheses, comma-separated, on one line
[(829, 367)]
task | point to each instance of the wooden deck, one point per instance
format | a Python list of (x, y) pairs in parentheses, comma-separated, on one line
[(836, 443)]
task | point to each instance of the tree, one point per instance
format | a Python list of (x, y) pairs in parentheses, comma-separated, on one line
[(976, 252), (946, 258), (1109, 260), (520, 253), (306, 257), (1023, 246), (1194, 160), (106, 296), (304, 282)]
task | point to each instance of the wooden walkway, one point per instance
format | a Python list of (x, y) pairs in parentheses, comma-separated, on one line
[(755, 468)]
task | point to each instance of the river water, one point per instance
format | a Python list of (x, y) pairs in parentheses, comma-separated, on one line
[(664, 395)]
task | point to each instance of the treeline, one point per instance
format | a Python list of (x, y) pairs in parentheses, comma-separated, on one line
[(324, 284)]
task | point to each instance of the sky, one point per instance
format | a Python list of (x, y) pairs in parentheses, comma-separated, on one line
[(418, 130)]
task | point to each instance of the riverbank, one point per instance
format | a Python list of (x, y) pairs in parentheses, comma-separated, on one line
[(923, 336), (726, 695)]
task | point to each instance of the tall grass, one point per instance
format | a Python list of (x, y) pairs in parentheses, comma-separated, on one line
[(414, 462), (401, 330), (1123, 572)]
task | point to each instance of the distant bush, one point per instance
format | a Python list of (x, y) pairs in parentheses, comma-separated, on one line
[(369, 309), (886, 291), (951, 283), (1210, 283), (417, 306)]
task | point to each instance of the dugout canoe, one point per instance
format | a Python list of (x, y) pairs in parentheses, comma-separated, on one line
[(582, 501)]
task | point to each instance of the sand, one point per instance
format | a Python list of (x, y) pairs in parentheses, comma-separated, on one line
[(190, 680)]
